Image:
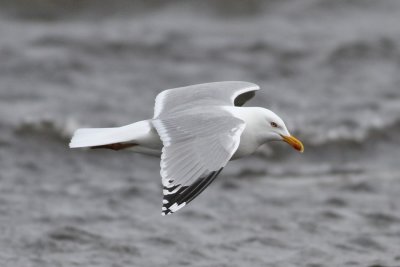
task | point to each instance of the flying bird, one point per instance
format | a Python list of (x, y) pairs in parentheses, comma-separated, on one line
[(196, 130)]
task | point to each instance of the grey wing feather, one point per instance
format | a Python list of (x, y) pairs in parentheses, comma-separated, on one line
[(196, 147), (207, 94)]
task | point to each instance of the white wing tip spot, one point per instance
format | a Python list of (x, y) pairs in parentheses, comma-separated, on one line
[(176, 207)]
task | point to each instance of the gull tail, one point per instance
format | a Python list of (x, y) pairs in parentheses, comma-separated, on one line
[(96, 137)]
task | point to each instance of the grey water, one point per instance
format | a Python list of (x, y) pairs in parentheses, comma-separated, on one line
[(331, 69)]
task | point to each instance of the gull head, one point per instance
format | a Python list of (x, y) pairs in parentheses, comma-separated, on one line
[(274, 129)]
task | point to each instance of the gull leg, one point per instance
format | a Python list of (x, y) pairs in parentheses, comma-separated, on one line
[(116, 146)]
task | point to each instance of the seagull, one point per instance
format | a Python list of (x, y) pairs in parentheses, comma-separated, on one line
[(196, 130)]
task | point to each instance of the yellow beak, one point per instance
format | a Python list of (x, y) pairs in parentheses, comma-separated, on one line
[(294, 142)]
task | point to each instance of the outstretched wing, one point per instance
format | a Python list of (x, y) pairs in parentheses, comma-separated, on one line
[(197, 146), (207, 94)]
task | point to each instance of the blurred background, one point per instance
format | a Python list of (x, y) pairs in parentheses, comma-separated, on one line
[(330, 68)]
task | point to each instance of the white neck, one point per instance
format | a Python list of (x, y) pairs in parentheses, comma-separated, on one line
[(254, 134)]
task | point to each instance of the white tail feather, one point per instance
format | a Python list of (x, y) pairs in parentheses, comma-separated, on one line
[(88, 137)]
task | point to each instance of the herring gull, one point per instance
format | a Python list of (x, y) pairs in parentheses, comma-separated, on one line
[(196, 130)]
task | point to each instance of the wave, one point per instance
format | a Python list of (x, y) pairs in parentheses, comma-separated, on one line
[(65, 9), (89, 9), (54, 129), (362, 50), (383, 132)]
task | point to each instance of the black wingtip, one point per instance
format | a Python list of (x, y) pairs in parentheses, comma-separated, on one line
[(174, 201), (241, 99)]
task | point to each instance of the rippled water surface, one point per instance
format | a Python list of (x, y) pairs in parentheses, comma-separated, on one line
[(331, 69)]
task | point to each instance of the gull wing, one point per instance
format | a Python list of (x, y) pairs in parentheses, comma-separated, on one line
[(230, 93), (197, 146)]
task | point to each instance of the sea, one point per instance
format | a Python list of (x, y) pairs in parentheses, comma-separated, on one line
[(329, 68)]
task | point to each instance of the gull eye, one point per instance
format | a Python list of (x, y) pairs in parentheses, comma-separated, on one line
[(273, 124)]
